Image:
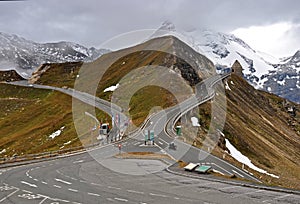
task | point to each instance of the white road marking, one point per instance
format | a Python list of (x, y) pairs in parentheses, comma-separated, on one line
[(44, 182), (9, 195), (111, 187), (94, 194), (136, 143), (43, 200), (163, 140), (62, 181), (237, 173), (222, 168), (160, 142), (73, 190), (96, 184), (35, 179), (133, 191), (29, 184), (79, 161), (56, 186), (158, 195), (121, 199)]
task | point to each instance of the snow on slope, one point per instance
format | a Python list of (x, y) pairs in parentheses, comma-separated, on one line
[(245, 160), (24, 56), (223, 49)]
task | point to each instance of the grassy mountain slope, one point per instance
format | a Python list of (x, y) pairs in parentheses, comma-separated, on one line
[(29, 116), (261, 126)]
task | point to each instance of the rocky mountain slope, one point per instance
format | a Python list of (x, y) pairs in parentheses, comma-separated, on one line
[(263, 126), (24, 56), (260, 69), (285, 79)]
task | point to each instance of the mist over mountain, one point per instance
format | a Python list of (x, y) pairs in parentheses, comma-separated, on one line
[(24, 56), (261, 70)]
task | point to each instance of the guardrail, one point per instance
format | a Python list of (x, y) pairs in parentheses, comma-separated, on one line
[(172, 121)]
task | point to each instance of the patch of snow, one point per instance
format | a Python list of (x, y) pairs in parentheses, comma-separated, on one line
[(3, 151), (269, 89), (57, 133), (195, 122), (245, 160), (227, 86), (282, 83), (232, 82), (111, 88), (66, 143)]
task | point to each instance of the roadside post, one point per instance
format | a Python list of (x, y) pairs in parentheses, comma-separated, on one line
[(120, 148)]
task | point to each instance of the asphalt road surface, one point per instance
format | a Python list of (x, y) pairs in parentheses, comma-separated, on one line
[(80, 179), (99, 177)]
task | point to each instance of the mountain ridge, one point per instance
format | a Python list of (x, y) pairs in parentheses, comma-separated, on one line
[(24, 56)]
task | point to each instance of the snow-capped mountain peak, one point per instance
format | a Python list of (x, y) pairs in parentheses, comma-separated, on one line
[(167, 25), (260, 69), (24, 56)]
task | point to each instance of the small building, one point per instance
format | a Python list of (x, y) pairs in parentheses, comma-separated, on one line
[(237, 69)]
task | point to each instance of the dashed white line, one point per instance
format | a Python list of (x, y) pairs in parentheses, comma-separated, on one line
[(158, 195), (79, 161), (133, 191), (94, 194), (44, 182), (96, 184), (62, 181), (121, 199), (56, 186), (73, 190), (111, 187), (35, 179), (29, 184), (27, 191)]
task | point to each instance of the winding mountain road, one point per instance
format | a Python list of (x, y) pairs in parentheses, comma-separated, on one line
[(96, 176)]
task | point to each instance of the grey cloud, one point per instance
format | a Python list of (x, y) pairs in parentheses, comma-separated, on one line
[(92, 22)]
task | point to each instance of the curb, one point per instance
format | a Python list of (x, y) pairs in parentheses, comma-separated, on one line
[(282, 190)]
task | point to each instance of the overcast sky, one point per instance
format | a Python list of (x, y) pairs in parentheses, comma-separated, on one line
[(272, 26)]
